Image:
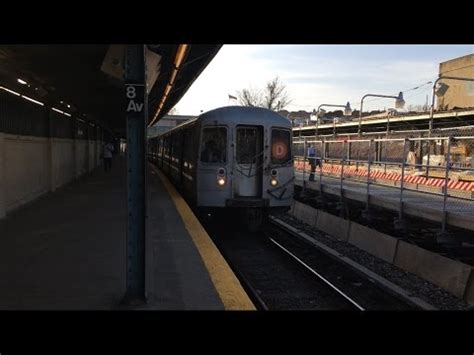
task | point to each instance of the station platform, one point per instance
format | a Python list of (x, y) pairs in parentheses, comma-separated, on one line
[(67, 251), (459, 212)]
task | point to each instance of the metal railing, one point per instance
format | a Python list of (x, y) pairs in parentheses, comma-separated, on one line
[(440, 166)]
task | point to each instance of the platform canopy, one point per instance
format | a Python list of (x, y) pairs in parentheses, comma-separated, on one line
[(89, 78)]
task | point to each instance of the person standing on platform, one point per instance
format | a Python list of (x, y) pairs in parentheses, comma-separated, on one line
[(312, 161), (107, 155)]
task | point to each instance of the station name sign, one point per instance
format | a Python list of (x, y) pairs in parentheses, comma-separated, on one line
[(135, 94)]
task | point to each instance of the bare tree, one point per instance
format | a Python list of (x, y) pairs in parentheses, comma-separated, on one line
[(274, 96), (250, 97)]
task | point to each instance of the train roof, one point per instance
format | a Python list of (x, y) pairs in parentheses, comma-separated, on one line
[(244, 114), (240, 114)]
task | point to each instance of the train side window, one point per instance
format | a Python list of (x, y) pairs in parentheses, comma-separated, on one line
[(186, 141), (214, 145), (167, 147), (177, 146), (188, 144), (281, 147)]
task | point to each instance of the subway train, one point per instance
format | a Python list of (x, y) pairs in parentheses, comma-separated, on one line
[(233, 159)]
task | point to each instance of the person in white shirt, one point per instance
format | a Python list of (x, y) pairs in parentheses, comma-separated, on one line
[(107, 155)]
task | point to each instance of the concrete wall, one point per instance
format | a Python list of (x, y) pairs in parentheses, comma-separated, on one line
[(452, 275), (26, 164), (460, 93), (92, 161), (446, 273), (469, 293), (62, 162), (81, 157), (379, 244), (33, 166), (98, 153), (333, 225)]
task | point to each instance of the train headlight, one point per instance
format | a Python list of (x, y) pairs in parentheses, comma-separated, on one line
[(274, 172), (274, 182), (221, 174)]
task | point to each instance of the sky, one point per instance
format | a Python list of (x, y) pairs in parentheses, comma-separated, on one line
[(321, 74)]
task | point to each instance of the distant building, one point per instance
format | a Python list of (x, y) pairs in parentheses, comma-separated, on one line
[(166, 123), (303, 118), (296, 117), (457, 93), (390, 112)]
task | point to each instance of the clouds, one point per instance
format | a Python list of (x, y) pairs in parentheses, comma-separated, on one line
[(234, 68), (319, 74)]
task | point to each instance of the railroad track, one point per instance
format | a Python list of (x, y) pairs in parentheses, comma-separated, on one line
[(318, 275), (282, 273)]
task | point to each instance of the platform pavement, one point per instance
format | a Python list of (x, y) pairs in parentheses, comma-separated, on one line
[(460, 212), (67, 251)]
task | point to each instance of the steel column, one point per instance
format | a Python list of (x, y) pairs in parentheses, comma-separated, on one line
[(369, 161), (400, 211), (445, 188), (136, 114), (304, 163)]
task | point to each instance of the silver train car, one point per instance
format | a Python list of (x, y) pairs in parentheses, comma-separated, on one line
[(234, 158)]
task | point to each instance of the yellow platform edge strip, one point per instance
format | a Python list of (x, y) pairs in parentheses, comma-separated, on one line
[(230, 291)]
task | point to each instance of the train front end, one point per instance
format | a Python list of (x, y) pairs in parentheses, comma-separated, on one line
[(253, 173)]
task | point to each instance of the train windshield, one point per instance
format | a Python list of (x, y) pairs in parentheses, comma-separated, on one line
[(281, 148), (246, 152), (214, 145)]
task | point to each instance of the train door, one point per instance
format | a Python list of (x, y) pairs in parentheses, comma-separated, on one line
[(248, 161)]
